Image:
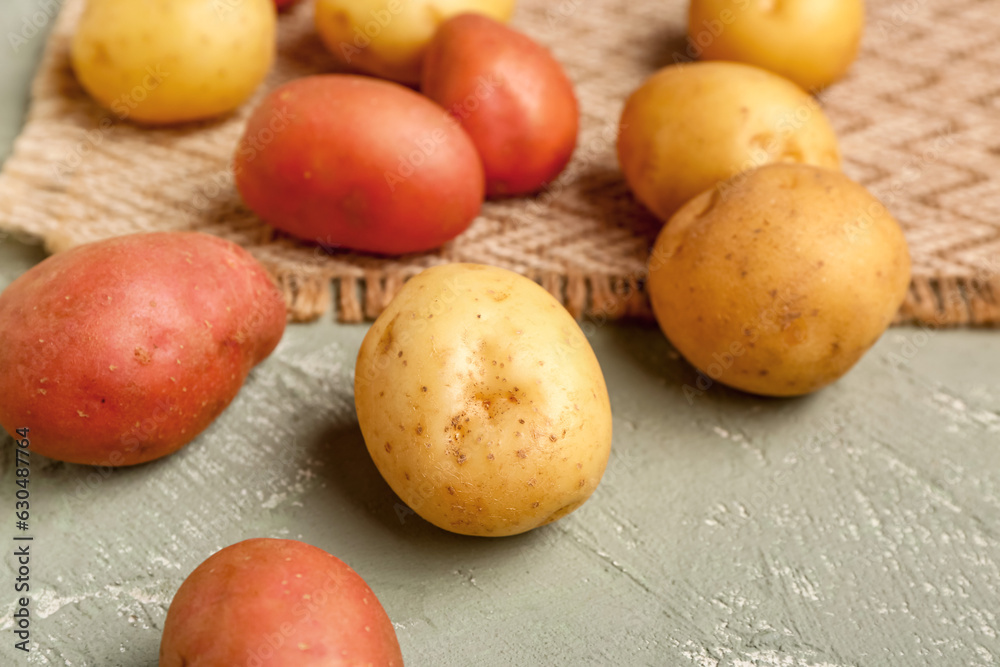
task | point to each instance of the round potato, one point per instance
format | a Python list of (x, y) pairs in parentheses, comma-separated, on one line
[(811, 42), (778, 281), (691, 126), (388, 38), (481, 402), (279, 603), (360, 163), (511, 96), (170, 61)]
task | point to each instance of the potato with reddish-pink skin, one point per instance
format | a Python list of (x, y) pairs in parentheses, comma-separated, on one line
[(122, 351), (277, 603), (511, 96), (355, 162)]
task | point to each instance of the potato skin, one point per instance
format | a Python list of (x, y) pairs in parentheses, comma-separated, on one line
[(511, 96), (811, 42), (170, 61), (388, 38), (122, 351), (779, 280), (691, 126), (276, 603), (482, 403), (365, 164)]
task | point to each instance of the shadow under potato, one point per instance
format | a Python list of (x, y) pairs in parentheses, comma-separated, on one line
[(355, 482)]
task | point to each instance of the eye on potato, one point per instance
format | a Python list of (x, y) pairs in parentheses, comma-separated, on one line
[(387, 38), (365, 164), (511, 96), (279, 603), (122, 351), (171, 62), (482, 403), (779, 280), (811, 42), (691, 126)]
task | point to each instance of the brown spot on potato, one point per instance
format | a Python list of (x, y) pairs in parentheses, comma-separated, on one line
[(451, 490), (521, 454), (420, 429), (388, 447), (142, 355)]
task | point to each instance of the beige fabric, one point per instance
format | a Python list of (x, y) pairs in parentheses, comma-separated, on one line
[(918, 117)]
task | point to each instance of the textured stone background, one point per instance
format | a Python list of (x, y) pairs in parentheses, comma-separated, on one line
[(860, 526)]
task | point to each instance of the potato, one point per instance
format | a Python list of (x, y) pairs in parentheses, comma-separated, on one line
[(171, 61), (691, 126), (122, 351), (779, 280), (279, 603), (510, 95), (387, 38), (361, 163), (811, 42), (481, 402)]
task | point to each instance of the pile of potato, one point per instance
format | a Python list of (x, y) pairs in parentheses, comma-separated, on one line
[(480, 400)]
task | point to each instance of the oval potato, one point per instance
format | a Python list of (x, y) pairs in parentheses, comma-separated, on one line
[(511, 96), (811, 42), (122, 351), (482, 403), (779, 280), (691, 126), (360, 163), (164, 62)]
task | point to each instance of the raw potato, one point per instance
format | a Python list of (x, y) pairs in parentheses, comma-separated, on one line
[(171, 61), (691, 126), (122, 351), (387, 38), (511, 96), (811, 42), (481, 402), (778, 281), (279, 603), (360, 163)]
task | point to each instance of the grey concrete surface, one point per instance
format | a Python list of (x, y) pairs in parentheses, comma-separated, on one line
[(858, 526)]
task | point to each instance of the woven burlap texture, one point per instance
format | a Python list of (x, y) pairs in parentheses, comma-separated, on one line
[(918, 119)]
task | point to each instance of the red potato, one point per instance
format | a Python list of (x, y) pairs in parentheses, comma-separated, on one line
[(122, 351), (276, 603), (360, 163), (511, 96)]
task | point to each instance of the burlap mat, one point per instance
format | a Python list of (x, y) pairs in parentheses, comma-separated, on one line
[(918, 118)]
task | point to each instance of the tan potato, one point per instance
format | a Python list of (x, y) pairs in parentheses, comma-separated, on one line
[(811, 42), (779, 280), (481, 402), (388, 38), (169, 62), (691, 126)]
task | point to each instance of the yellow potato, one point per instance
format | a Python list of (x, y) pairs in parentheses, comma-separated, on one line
[(388, 38), (171, 61), (691, 126), (779, 280), (812, 42), (481, 402)]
